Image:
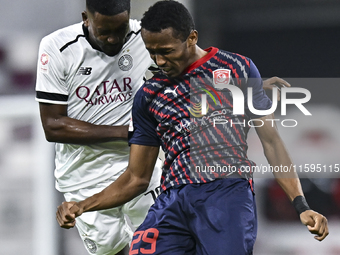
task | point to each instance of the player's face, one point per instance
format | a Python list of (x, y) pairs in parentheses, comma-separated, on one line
[(107, 33), (171, 54)]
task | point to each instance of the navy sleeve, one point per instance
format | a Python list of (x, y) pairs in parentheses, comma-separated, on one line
[(260, 99), (144, 125)]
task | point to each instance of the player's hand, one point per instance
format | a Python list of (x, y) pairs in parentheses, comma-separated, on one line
[(277, 82), (316, 223), (67, 213)]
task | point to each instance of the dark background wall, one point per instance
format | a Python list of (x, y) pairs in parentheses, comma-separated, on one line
[(297, 38)]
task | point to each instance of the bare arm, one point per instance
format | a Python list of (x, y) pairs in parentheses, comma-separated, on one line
[(60, 128), (277, 155), (134, 181)]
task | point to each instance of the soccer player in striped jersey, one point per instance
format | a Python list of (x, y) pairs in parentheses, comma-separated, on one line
[(198, 212), (87, 77)]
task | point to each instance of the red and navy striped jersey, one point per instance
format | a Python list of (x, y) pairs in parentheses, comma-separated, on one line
[(192, 118)]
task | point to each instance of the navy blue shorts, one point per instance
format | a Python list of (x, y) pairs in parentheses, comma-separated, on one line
[(214, 218)]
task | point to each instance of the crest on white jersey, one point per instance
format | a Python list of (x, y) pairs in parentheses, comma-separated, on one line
[(91, 246), (125, 62), (44, 59)]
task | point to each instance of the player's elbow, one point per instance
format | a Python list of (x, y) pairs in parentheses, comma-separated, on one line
[(271, 143), (52, 131), (51, 139), (50, 135), (142, 185)]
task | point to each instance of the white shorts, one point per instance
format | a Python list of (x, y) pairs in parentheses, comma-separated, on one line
[(107, 232)]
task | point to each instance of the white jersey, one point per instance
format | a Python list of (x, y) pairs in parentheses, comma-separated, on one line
[(96, 88)]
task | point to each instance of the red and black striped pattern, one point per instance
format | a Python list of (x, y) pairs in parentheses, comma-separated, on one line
[(194, 145)]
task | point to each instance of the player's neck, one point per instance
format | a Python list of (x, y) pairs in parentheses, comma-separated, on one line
[(198, 54)]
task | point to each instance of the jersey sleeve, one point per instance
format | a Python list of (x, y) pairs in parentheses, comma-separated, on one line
[(144, 125), (50, 84), (259, 98)]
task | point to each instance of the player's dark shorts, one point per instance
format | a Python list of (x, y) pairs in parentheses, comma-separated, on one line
[(214, 218)]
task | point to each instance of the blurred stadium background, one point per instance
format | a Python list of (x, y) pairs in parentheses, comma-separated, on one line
[(296, 40)]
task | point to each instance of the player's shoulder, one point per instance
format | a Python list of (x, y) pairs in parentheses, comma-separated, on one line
[(152, 86), (158, 80), (134, 25), (63, 36), (234, 58)]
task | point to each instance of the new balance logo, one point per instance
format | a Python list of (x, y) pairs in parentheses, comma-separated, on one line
[(84, 71)]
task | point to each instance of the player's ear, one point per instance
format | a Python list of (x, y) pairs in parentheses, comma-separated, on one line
[(85, 18), (192, 38)]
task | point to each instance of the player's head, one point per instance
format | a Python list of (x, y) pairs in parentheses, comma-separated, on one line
[(108, 23), (169, 36), (108, 7), (169, 14)]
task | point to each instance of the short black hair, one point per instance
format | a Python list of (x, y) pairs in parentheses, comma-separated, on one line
[(108, 7), (169, 14)]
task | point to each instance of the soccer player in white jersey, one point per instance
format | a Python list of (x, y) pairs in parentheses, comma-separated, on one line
[(87, 76)]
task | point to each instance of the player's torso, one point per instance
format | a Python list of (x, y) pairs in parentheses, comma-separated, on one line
[(101, 88), (189, 134), (96, 88)]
